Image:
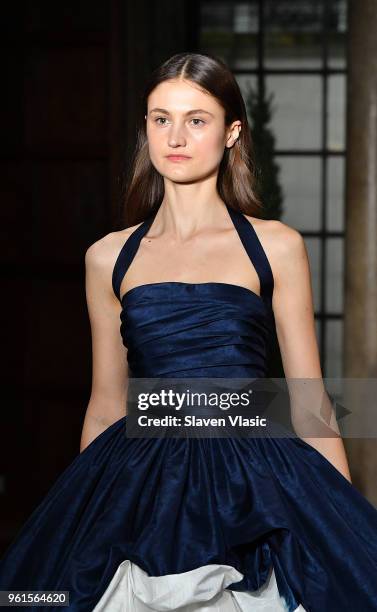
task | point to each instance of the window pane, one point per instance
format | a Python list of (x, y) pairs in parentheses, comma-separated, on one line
[(296, 111), (314, 255), (216, 16), (336, 112), (245, 25), (336, 24), (334, 349), (335, 194), (230, 31), (293, 37), (300, 180), (334, 275)]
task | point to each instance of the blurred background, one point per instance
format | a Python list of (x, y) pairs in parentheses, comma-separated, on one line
[(72, 75)]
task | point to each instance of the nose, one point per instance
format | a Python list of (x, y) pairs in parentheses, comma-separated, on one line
[(176, 136)]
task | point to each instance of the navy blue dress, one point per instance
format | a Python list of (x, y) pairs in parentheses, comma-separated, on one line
[(171, 505)]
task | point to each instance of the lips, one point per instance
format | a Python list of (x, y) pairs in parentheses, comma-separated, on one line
[(177, 157)]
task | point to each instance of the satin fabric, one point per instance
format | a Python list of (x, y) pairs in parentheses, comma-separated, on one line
[(173, 505), (195, 330)]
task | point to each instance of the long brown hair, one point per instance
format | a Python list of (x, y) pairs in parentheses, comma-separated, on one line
[(144, 190)]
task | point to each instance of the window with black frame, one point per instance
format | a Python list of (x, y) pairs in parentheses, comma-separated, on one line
[(293, 52)]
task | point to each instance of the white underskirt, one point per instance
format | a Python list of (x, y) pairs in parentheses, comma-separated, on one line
[(199, 590)]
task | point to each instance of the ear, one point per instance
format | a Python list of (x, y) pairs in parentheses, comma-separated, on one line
[(233, 134)]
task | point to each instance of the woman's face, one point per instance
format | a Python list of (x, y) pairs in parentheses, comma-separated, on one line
[(183, 120)]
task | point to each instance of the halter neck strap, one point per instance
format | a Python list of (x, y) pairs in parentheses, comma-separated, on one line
[(245, 231)]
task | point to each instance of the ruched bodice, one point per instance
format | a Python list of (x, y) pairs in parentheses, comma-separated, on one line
[(209, 329)]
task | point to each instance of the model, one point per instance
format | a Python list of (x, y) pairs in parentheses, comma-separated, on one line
[(192, 289)]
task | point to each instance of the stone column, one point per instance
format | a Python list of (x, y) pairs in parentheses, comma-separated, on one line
[(360, 330)]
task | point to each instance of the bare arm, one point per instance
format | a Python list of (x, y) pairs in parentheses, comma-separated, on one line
[(107, 401), (295, 328)]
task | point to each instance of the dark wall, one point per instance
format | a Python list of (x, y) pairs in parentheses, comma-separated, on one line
[(72, 75)]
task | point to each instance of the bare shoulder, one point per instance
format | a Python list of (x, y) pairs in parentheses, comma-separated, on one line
[(103, 253), (279, 240), (100, 258)]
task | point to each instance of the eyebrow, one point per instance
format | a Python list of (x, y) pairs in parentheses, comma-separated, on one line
[(196, 111)]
